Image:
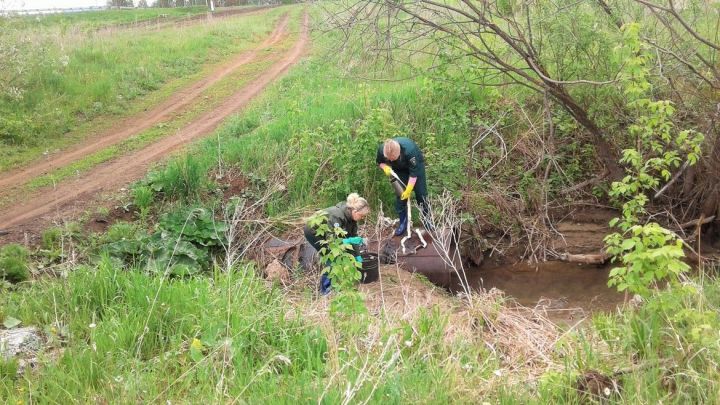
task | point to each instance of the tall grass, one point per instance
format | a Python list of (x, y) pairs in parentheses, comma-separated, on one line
[(147, 338)]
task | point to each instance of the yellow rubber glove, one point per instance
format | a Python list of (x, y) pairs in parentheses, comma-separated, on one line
[(406, 194), (387, 169)]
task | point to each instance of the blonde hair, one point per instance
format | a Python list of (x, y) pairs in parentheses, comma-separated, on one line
[(391, 146), (356, 203)]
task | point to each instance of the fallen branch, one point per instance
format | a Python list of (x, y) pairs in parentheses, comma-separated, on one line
[(591, 258), (673, 180), (697, 222), (586, 183)]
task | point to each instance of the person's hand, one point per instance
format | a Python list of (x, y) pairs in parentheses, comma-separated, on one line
[(354, 240), (358, 259), (406, 194), (388, 170)]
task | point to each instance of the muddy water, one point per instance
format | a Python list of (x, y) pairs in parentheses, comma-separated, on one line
[(565, 290)]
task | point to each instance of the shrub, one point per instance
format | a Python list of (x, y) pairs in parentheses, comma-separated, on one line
[(184, 178), (14, 263)]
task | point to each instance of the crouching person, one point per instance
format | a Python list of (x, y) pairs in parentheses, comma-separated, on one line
[(344, 215)]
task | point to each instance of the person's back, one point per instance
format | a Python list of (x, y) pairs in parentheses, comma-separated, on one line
[(338, 217)]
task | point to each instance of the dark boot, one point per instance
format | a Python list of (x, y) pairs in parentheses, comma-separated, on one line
[(401, 208), (325, 285)]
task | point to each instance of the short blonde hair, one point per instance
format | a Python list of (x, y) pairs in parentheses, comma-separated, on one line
[(356, 203), (391, 147)]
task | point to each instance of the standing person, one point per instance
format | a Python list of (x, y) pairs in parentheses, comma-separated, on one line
[(403, 156), (344, 215)]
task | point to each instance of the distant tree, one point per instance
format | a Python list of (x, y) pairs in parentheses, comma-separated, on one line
[(143, 4), (120, 3)]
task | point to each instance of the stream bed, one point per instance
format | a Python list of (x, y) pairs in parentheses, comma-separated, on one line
[(565, 291)]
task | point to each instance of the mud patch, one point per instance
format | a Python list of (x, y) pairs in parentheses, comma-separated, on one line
[(99, 223), (232, 184)]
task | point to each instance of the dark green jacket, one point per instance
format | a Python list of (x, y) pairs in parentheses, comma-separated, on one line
[(411, 159), (339, 215)]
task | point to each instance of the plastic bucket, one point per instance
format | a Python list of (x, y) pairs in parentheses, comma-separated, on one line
[(369, 269)]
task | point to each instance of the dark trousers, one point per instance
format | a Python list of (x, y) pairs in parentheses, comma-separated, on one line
[(314, 241), (421, 196)]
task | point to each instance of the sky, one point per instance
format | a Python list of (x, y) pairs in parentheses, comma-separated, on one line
[(43, 4)]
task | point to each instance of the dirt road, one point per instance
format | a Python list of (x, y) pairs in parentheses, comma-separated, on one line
[(49, 204), (137, 124)]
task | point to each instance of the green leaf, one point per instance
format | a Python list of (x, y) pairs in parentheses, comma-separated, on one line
[(11, 322), (628, 244)]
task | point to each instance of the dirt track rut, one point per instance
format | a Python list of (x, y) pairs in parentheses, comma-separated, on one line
[(52, 203), (135, 125)]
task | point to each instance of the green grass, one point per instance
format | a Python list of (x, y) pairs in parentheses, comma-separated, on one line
[(212, 97), (74, 83), (131, 335), (227, 336)]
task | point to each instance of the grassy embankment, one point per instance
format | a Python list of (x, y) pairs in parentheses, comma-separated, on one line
[(211, 97), (90, 20), (75, 85), (225, 336)]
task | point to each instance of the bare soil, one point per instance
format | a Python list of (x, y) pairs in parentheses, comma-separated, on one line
[(67, 198)]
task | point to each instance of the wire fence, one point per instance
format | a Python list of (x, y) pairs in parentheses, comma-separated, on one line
[(44, 11)]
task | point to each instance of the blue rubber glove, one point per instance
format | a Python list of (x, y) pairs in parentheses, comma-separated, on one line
[(358, 259), (355, 240)]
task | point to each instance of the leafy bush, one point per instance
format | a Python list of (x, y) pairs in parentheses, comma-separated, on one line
[(196, 225), (335, 160), (648, 252), (182, 244), (14, 263), (126, 242), (342, 270)]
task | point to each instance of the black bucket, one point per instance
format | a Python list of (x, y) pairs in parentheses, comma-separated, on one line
[(369, 269)]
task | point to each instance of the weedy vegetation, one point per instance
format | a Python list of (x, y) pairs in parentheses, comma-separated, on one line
[(511, 115)]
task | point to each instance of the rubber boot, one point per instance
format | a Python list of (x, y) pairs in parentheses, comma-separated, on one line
[(401, 209), (325, 285)]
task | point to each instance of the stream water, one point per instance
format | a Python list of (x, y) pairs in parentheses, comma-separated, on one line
[(565, 290)]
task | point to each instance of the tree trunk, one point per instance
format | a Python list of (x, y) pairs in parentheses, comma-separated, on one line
[(605, 150), (711, 203)]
